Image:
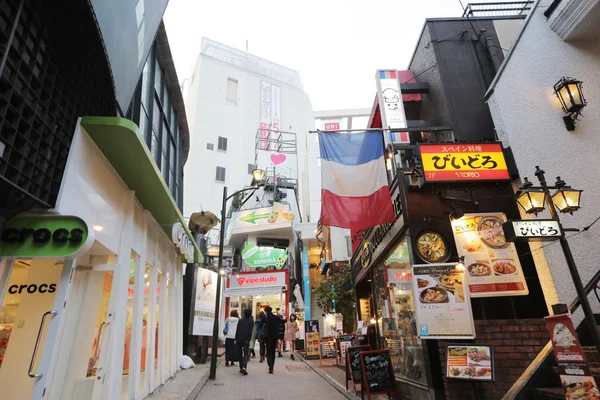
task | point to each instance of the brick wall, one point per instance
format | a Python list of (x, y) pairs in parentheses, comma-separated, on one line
[(516, 343)]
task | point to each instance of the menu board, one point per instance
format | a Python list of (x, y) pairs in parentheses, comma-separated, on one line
[(470, 362), (311, 338), (492, 262), (573, 370), (328, 349), (443, 306), (377, 371), (362, 328), (354, 368)]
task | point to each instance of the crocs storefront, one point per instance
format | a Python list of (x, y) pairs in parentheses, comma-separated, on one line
[(91, 291)]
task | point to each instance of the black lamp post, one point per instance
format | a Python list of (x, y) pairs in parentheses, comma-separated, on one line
[(257, 177), (566, 200)]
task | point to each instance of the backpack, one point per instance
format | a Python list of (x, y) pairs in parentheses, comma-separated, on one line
[(264, 331)]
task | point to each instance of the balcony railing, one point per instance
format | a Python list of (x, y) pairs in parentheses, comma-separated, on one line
[(500, 9)]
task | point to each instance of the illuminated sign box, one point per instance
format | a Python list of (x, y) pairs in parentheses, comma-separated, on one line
[(454, 162)]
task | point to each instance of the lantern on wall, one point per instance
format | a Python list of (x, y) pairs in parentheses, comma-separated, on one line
[(572, 101), (531, 199), (566, 199)]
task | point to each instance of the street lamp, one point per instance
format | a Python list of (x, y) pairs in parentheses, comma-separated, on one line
[(257, 177), (565, 200)]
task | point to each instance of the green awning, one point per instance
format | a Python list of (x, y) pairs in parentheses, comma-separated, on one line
[(124, 148)]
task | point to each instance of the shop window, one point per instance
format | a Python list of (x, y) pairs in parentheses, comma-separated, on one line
[(220, 174), (144, 382), (394, 307), (232, 88), (222, 143), (157, 344), (210, 146), (133, 262)]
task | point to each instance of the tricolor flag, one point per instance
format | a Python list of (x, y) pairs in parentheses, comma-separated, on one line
[(354, 184)]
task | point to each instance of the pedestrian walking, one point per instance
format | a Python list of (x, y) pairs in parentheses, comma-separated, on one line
[(229, 331), (280, 334), (243, 335), (272, 333), (291, 329), (261, 322), (256, 335)]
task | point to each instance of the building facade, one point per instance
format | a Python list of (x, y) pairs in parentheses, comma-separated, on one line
[(92, 240)]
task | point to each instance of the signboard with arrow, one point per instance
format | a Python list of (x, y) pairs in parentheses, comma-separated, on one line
[(261, 219)]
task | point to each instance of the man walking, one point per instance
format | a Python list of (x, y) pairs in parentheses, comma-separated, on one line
[(243, 335), (273, 323)]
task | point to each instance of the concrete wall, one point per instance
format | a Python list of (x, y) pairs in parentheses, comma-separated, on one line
[(528, 118)]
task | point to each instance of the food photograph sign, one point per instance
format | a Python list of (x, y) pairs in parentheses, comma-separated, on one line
[(443, 306), (470, 362), (492, 263)]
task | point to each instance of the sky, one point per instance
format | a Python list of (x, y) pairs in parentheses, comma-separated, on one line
[(335, 45)]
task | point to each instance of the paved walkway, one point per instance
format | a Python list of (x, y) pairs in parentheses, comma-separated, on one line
[(292, 380)]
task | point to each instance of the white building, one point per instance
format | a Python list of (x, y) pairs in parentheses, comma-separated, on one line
[(558, 39), (229, 96)]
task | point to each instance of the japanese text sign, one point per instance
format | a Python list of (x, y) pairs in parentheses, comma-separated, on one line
[(523, 230), (463, 162), (564, 340)]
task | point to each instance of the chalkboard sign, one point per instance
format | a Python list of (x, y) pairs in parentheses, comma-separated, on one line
[(353, 368), (328, 349), (377, 372)]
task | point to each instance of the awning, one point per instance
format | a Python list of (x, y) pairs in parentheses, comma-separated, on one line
[(251, 291)]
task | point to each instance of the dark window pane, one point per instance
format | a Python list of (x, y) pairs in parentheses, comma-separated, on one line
[(158, 80), (165, 138), (156, 116), (251, 167), (210, 146), (165, 169), (220, 174), (222, 143), (155, 148)]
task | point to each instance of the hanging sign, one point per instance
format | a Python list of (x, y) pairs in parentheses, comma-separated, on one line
[(574, 373), (443, 306), (45, 236), (492, 262), (463, 162), (391, 105), (530, 229), (256, 256), (470, 362), (183, 242)]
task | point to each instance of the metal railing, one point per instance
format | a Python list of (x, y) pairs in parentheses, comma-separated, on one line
[(521, 383), (500, 9)]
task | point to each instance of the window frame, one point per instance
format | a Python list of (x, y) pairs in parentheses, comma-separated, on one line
[(228, 98), (222, 139), (218, 169)]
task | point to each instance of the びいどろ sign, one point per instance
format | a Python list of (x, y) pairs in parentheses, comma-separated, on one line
[(463, 162), (183, 242), (531, 229), (45, 236)]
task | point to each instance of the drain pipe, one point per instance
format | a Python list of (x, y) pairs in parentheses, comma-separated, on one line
[(492, 49)]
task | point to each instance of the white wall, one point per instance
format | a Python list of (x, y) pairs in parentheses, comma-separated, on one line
[(528, 117), (211, 116)]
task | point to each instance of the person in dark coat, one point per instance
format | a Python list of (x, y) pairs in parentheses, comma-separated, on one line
[(273, 323), (243, 335)]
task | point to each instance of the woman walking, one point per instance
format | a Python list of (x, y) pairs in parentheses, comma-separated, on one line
[(229, 331), (243, 335), (291, 329)]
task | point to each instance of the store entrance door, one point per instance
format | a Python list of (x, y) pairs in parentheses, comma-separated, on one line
[(33, 292), (83, 358)]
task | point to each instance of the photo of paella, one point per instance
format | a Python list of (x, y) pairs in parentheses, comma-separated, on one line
[(491, 233), (432, 247)]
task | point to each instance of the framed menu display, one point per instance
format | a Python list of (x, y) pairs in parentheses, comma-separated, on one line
[(328, 348), (311, 338), (470, 362), (343, 342), (491, 261), (442, 302)]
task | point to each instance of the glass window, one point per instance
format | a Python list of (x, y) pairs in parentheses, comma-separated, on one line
[(133, 261), (165, 137), (222, 143), (210, 146), (251, 167), (144, 383), (167, 106), (145, 128), (395, 312), (232, 88), (156, 115), (155, 148), (220, 174), (164, 167), (145, 98), (158, 80), (157, 308)]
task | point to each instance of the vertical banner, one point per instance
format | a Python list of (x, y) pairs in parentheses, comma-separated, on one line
[(492, 262), (391, 105), (204, 308), (306, 281), (275, 115), (265, 113), (442, 302), (574, 373)]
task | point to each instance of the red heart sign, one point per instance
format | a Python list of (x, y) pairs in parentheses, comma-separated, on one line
[(241, 281)]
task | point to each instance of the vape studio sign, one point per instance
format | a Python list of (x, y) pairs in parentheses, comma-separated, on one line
[(267, 279), (45, 236)]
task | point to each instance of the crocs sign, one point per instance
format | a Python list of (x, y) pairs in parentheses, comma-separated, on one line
[(183, 242)]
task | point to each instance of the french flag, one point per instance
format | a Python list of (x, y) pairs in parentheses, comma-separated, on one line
[(354, 184)]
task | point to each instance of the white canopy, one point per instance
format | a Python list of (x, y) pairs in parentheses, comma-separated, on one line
[(251, 291)]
